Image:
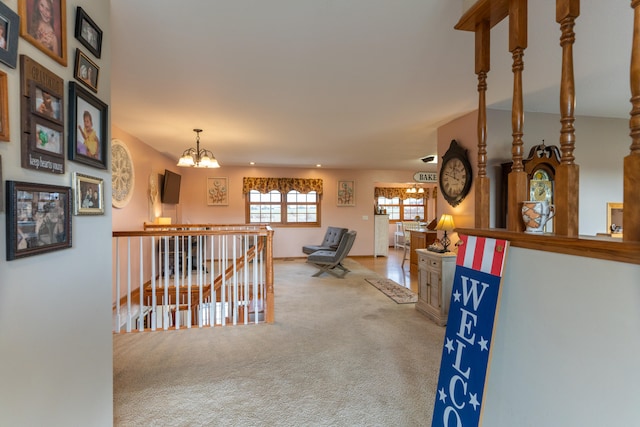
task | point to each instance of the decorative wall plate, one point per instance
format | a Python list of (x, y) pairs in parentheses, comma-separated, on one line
[(122, 174)]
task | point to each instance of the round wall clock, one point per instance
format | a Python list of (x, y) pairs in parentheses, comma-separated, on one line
[(455, 174), (122, 174)]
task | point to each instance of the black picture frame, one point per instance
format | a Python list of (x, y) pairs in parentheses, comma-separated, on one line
[(38, 218), (82, 102), (10, 24), (88, 33), (46, 103), (86, 71)]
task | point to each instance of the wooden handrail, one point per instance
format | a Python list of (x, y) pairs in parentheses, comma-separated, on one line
[(585, 246)]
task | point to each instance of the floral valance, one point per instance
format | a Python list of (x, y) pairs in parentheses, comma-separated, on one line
[(284, 185), (401, 193)]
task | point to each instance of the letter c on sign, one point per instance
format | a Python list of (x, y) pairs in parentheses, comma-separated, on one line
[(452, 390)]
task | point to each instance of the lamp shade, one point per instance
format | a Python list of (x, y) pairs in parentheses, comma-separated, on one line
[(446, 223)]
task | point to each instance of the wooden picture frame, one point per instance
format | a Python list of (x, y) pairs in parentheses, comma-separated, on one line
[(86, 71), (88, 195), (46, 104), (5, 135), (38, 218), (30, 156), (88, 33), (48, 137), (346, 195), (88, 146), (218, 191), (9, 30), (47, 32), (614, 219)]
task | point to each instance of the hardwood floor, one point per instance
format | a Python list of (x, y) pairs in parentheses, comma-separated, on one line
[(390, 267)]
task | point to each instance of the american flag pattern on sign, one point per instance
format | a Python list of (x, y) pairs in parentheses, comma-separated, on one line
[(482, 254)]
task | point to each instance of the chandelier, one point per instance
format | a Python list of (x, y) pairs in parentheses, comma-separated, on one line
[(196, 157)]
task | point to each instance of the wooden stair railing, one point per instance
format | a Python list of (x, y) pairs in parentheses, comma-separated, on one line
[(190, 296)]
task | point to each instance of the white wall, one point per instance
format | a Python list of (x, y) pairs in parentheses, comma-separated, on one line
[(566, 344), (55, 312)]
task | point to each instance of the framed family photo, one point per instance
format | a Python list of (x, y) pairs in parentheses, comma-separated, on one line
[(88, 195), (217, 191), (346, 193), (86, 71), (46, 104), (38, 218), (49, 137), (87, 128), (89, 34), (44, 24), (9, 29)]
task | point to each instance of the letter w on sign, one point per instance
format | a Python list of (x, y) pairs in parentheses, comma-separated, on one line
[(473, 313)]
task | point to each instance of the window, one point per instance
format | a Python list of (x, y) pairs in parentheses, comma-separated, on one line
[(283, 201), (268, 208), (403, 210)]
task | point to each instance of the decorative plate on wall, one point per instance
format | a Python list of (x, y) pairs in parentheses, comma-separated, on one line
[(122, 174)]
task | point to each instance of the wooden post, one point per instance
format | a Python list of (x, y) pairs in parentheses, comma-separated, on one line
[(483, 188), (568, 173), (517, 180), (269, 315), (631, 206)]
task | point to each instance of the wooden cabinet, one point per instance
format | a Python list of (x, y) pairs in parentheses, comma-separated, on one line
[(420, 239), (435, 281), (381, 235)]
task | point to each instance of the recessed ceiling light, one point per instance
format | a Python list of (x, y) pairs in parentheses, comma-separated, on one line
[(252, 163), (318, 165)]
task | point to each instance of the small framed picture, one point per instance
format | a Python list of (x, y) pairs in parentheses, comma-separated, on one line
[(87, 128), (45, 26), (89, 34), (38, 218), (48, 136), (346, 193), (217, 192), (46, 104), (86, 71), (9, 30), (88, 195), (4, 108)]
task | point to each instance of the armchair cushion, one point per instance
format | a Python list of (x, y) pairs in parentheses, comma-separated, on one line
[(330, 242)]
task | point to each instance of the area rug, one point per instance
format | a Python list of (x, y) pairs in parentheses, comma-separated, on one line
[(398, 293)]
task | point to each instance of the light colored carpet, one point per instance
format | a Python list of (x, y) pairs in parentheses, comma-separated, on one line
[(339, 354), (399, 294)]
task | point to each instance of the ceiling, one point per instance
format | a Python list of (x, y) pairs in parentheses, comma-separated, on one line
[(359, 84)]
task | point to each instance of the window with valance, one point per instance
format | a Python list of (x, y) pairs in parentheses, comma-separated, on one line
[(403, 206), (282, 201)]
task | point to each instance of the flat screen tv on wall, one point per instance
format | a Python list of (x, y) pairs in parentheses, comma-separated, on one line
[(170, 188)]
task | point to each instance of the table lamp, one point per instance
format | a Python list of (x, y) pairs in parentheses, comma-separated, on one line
[(445, 224)]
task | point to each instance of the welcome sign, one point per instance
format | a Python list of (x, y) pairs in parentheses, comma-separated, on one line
[(467, 344)]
